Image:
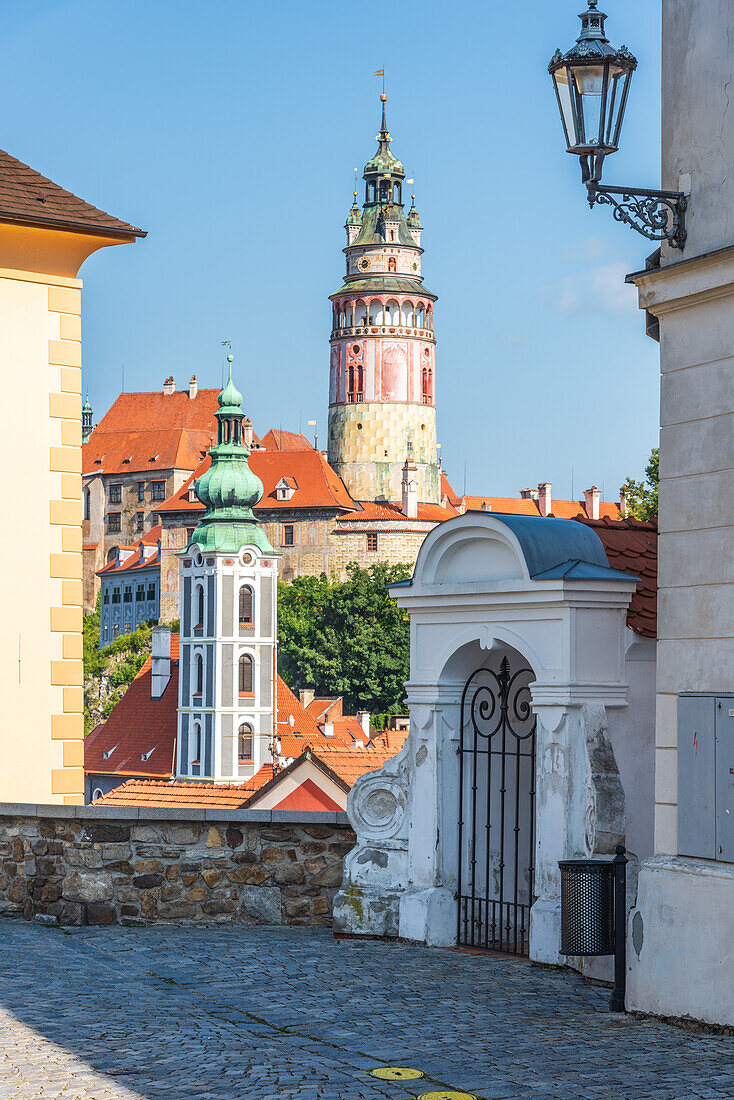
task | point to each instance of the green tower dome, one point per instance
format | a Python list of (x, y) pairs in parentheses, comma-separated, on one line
[(229, 489), (355, 215)]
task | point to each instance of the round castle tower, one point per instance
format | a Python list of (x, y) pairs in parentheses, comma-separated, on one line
[(382, 409)]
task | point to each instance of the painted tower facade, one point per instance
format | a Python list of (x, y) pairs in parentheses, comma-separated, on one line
[(227, 659), (382, 410)]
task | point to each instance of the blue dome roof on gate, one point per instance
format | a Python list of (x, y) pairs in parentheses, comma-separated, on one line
[(555, 548)]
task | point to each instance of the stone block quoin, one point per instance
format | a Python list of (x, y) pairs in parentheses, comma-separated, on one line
[(139, 865)]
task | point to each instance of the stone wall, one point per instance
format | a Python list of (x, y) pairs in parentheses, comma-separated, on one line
[(95, 865)]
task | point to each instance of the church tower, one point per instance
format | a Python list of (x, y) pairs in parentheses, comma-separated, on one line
[(227, 658), (382, 410)]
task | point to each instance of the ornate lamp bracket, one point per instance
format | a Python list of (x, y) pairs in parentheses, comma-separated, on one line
[(657, 215)]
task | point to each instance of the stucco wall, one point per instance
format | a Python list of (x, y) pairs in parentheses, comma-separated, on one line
[(92, 865)]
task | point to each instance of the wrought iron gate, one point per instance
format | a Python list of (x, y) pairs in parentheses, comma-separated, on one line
[(496, 810)]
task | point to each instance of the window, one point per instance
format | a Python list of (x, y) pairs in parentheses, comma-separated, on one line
[(392, 264), (197, 743), (139, 521), (86, 503), (140, 593), (141, 490), (113, 521), (246, 674), (96, 793), (115, 629), (244, 743), (115, 494), (106, 597), (199, 615), (371, 543), (151, 590), (128, 594), (245, 604), (427, 385), (159, 490), (189, 534), (198, 675), (287, 539), (116, 595), (355, 383)]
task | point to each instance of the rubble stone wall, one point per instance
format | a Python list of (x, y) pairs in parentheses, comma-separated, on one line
[(89, 865)]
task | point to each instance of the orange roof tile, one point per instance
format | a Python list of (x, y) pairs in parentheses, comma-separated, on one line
[(134, 557), (632, 547), (278, 440), (371, 510), (318, 485), (28, 197), (148, 792), (152, 410), (137, 725), (448, 493), (526, 506)]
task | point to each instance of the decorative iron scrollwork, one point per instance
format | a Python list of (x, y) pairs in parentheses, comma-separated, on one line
[(657, 215)]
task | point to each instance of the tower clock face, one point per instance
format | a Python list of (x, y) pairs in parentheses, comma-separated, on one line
[(364, 264)]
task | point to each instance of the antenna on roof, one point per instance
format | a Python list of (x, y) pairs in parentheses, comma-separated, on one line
[(464, 477), (228, 345)]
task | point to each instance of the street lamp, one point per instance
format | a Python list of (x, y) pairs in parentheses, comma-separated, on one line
[(592, 82)]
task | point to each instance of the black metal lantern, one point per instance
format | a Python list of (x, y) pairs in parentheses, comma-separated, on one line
[(592, 82)]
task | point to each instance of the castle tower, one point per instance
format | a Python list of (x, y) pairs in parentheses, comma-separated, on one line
[(227, 659), (87, 418), (382, 407)]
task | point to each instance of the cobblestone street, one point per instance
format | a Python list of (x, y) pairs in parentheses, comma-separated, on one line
[(258, 1013)]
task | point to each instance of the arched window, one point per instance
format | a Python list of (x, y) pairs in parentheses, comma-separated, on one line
[(245, 604), (392, 264), (244, 743), (97, 793), (427, 385), (197, 743), (246, 678), (199, 606), (198, 674)]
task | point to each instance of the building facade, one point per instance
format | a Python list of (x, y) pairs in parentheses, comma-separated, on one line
[(229, 571), (382, 407), (130, 588), (46, 234)]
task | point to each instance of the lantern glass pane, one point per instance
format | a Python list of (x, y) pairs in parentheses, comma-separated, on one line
[(590, 83), (616, 102), (560, 76)]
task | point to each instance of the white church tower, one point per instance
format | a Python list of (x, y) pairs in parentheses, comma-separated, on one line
[(227, 660)]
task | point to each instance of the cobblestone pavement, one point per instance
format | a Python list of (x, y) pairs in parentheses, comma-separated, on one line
[(208, 1013)]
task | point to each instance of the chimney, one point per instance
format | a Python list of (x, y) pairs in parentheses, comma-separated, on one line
[(623, 500), (410, 489), (592, 497), (247, 432), (306, 695), (161, 661), (363, 717), (545, 503), (328, 729), (193, 387), (169, 386), (526, 494)]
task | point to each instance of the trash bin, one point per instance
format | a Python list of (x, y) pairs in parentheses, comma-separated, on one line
[(587, 907)]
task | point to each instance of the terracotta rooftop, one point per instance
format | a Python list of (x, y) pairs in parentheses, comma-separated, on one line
[(521, 506), (145, 452), (32, 199), (148, 792), (133, 557), (632, 547), (151, 410), (318, 486), (138, 726), (370, 511), (278, 440)]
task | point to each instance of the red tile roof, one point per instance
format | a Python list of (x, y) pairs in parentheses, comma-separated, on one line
[(447, 492), (318, 485), (137, 725), (319, 709), (632, 547), (32, 199), (151, 410), (278, 440), (371, 510), (521, 506), (145, 452), (148, 792), (133, 557)]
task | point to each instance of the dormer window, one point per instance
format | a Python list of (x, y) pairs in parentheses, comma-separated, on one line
[(147, 755), (285, 488), (192, 497), (106, 755)]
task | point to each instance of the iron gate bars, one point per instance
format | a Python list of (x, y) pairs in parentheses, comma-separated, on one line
[(496, 810)]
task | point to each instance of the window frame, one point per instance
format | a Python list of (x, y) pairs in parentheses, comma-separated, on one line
[(245, 660), (249, 734), (288, 534), (115, 493), (158, 490), (114, 522), (372, 542)]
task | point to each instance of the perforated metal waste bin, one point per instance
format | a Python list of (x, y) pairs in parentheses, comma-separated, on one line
[(587, 907)]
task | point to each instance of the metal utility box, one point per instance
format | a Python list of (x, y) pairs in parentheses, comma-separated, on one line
[(706, 776)]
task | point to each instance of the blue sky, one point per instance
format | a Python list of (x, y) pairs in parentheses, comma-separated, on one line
[(230, 130)]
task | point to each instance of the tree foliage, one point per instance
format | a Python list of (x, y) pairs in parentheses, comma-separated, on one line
[(346, 638), (109, 672), (642, 496)]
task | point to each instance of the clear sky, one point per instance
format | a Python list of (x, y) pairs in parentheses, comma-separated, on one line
[(230, 130)]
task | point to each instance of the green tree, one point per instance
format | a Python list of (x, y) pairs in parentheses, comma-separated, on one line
[(642, 496), (346, 638)]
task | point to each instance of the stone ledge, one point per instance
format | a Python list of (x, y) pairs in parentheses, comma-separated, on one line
[(161, 813)]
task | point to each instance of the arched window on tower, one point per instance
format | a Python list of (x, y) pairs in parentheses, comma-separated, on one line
[(197, 746), (244, 744), (246, 674), (199, 607), (198, 675), (427, 386), (392, 264), (245, 605)]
